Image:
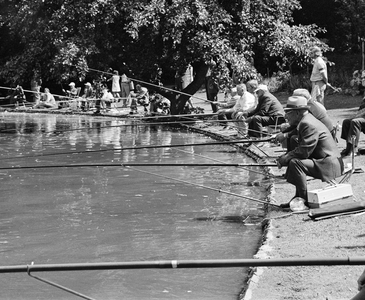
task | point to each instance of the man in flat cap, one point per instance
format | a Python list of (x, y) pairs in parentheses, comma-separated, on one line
[(316, 155), (319, 76)]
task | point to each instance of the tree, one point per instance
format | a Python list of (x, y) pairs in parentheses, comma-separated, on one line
[(59, 38)]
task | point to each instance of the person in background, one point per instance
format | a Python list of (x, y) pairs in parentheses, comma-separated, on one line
[(226, 108), (126, 87), (17, 96), (351, 129), (251, 86), (35, 86), (47, 100), (268, 111), (245, 103), (141, 97), (88, 93), (211, 87), (159, 105), (72, 92), (319, 76), (115, 84), (107, 99), (361, 288), (316, 154)]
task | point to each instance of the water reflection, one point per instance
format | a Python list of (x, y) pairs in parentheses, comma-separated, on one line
[(70, 215)]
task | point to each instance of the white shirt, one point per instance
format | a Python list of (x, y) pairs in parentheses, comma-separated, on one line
[(246, 102), (107, 96), (319, 67)]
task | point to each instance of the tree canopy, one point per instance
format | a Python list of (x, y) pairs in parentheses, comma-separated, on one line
[(63, 39)]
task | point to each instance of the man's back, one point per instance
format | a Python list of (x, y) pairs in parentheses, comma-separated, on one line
[(268, 105)]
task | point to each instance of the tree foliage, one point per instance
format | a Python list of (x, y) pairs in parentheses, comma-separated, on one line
[(60, 38)]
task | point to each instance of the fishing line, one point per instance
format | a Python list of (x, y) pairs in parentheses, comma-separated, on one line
[(213, 159), (61, 287), (136, 164), (203, 186), (155, 85), (136, 148)]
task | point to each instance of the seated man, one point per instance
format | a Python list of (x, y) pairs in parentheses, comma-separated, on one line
[(140, 96), (352, 128), (88, 93), (72, 92), (289, 134), (245, 103), (17, 96), (47, 100), (268, 111), (159, 105), (225, 108), (105, 100), (316, 155)]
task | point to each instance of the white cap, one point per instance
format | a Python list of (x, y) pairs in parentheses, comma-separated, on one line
[(71, 84)]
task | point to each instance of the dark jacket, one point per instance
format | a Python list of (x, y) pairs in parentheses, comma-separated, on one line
[(268, 105), (316, 143)]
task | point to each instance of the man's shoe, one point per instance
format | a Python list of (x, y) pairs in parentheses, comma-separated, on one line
[(285, 205), (345, 152)]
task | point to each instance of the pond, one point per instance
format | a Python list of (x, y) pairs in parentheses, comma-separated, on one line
[(118, 214)]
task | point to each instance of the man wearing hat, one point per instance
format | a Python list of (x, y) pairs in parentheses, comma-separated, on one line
[(317, 110), (73, 91), (316, 155), (268, 111), (319, 77)]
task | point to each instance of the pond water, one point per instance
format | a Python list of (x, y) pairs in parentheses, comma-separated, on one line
[(119, 214)]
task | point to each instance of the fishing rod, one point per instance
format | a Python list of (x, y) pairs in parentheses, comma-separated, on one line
[(217, 160), (141, 147), (35, 92), (155, 85), (203, 186), (186, 264), (138, 165)]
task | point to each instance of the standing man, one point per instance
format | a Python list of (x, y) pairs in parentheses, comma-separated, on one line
[(35, 86), (268, 111), (319, 77), (211, 87), (316, 155)]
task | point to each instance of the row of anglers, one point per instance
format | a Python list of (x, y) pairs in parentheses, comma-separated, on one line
[(96, 98)]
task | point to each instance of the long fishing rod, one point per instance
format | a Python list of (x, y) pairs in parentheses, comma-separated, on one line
[(219, 161), (186, 264), (203, 186), (155, 85), (140, 147), (138, 165), (35, 92)]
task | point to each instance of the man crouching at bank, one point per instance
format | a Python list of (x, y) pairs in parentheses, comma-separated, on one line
[(316, 155)]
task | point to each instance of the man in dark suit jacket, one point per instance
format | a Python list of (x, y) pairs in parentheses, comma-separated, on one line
[(316, 155), (268, 111)]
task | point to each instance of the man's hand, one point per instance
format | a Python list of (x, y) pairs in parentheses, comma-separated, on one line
[(239, 115), (280, 137), (278, 164)]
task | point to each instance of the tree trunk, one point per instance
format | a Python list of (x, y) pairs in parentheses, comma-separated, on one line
[(178, 101)]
